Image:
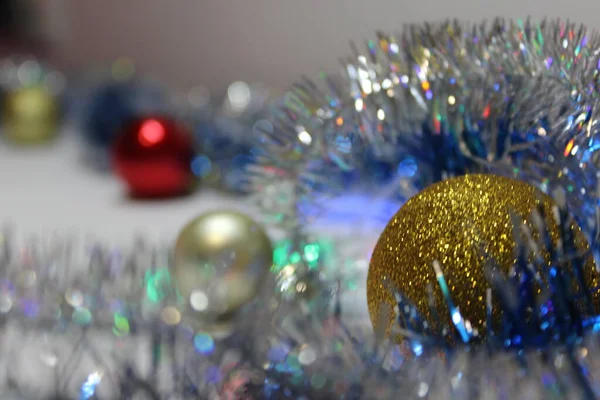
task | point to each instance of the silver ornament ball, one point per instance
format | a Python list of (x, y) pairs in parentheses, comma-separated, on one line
[(220, 260)]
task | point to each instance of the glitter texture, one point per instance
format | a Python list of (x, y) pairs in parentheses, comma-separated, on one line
[(460, 223)]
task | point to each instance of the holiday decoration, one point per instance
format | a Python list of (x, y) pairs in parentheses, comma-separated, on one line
[(436, 102), (31, 100), (110, 108), (446, 232), (107, 324), (30, 115), (443, 100), (112, 105), (220, 261), (153, 155), (505, 258)]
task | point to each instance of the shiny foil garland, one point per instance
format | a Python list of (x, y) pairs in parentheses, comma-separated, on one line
[(512, 98), (446, 99), (85, 321), (439, 100), (82, 320)]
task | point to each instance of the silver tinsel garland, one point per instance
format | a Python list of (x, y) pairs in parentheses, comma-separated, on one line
[(85, 322), (452, 97)]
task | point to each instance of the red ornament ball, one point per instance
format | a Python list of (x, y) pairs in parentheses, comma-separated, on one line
[(153, 155)]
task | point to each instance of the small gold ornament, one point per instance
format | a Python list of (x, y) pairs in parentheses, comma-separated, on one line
[(221, 258), (458, 222), (31, 115)]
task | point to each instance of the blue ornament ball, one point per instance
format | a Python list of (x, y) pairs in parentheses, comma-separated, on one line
[(113, 105)]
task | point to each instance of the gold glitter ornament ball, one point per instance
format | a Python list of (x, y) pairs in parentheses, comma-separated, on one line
[(220, 260), (452, 222), (30, 115)]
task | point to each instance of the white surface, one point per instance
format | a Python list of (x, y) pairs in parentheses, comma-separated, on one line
[(48, 190)]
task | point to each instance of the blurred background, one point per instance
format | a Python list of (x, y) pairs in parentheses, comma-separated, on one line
[(190, 42), (183, 44)]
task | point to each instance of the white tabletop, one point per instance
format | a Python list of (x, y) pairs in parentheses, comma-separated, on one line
[(46, 190)]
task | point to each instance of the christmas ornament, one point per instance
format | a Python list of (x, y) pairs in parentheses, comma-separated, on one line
[(30, 115), (112, 105), (153, 156), (450, 231), (220, 261), (109, 109)]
